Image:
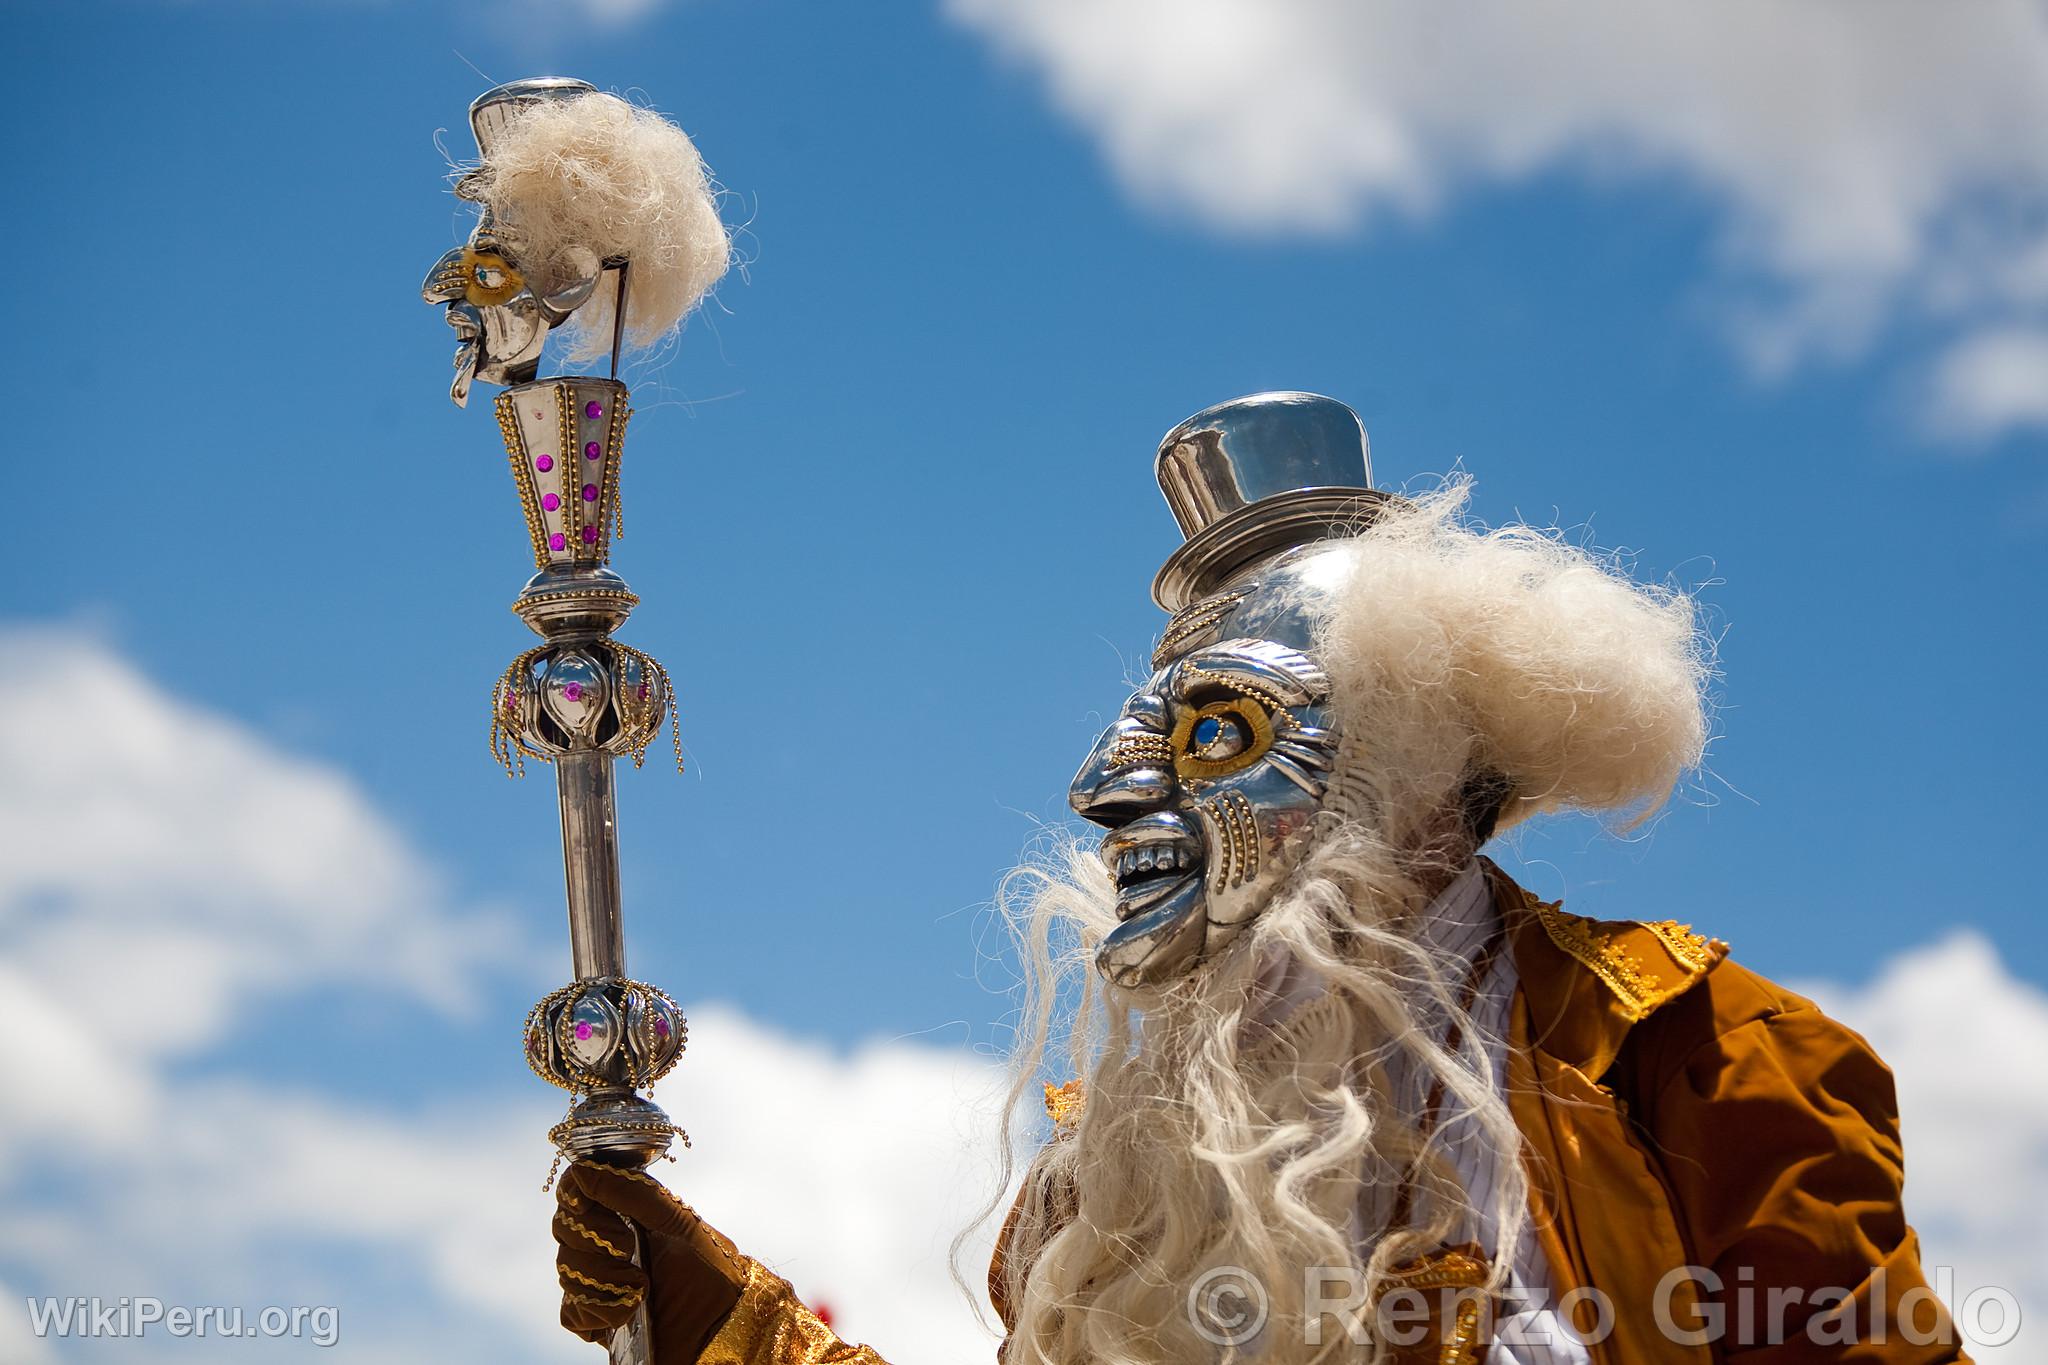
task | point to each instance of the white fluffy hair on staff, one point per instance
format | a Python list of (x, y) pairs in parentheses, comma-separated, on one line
[(586, 199)]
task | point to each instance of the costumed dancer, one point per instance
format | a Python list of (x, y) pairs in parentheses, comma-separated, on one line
[(1334, 1059)]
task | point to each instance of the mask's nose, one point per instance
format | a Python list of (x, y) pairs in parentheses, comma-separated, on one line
[(448, 281), (1129, 772)]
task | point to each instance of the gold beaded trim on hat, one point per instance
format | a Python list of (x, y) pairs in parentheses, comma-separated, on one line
[(1191, 621)]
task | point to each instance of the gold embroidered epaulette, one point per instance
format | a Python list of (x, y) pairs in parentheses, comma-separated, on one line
[(1626, 956)]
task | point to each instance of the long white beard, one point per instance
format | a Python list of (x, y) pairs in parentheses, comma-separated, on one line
[(1226, 1140)]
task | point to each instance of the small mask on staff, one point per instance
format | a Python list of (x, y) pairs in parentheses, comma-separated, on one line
[(583, 197)]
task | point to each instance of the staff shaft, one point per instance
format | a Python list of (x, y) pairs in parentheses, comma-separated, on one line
[(584, 782)]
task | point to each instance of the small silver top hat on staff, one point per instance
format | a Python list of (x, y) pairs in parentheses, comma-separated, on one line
[(537, 260)]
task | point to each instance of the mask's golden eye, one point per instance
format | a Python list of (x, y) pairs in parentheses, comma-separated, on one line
[(1221, 738), (492, 280)]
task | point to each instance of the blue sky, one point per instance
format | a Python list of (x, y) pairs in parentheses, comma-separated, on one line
[(889, 502)]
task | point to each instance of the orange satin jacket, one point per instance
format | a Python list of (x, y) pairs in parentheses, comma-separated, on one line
[(1680, 1111)]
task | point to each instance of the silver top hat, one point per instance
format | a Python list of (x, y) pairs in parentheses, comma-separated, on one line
[(1256, 476), (492, 110)]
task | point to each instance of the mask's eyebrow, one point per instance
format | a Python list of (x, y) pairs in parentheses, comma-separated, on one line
[(1261, 669), (1194, 621)]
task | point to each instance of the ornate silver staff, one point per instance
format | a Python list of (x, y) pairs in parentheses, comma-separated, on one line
[(599, 215)]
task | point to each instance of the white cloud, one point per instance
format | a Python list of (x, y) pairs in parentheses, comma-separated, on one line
[(1870, 158), (194, 865), (19, 1345), (171, 877), (1993, 380), (1967, 1042), (848, 1174)]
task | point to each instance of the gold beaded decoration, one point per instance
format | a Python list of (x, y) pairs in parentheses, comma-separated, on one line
[(635, 1027), (522, 475), (1193, 620), (507, 747), (559, 1135), (1259, 738), (639, 717), (1245, 689), (580, 1081), (652, 670), (1237, 839), (572, 500), (1141, 748), (614, 458)]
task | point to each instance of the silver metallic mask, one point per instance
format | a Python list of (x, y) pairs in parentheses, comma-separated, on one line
[(1213, 774), (500, 322)]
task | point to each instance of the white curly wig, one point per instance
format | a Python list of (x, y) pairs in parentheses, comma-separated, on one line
[(1215, 1135), (1455, 649)]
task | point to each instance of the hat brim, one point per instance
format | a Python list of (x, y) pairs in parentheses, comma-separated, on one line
[(1258, 531)]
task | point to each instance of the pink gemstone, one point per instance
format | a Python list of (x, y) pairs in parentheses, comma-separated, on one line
[(543, 463), (538, 415), (661, 1026), (590, 492), (593, 409), (643, 691), (512, 701), (583, 1033), (558, 541), (573, 691), (550, 501), (591, 450), (590, 535)]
